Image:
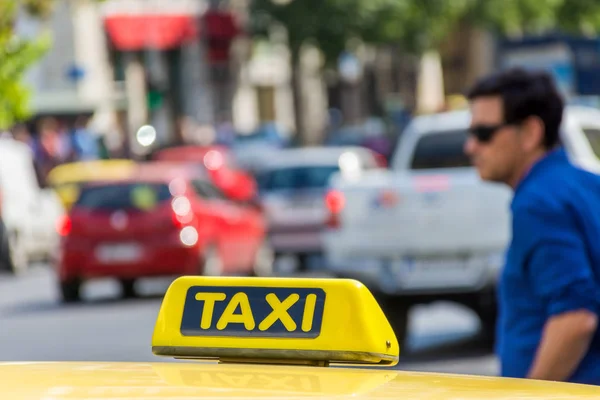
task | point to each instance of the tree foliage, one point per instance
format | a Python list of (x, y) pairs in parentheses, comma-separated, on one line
[(328, 24), (417, 25), (16, 56)]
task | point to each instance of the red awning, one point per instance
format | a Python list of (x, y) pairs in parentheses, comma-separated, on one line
[(160, 32)]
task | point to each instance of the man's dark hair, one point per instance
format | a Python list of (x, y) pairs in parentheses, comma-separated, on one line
[(524, 94)]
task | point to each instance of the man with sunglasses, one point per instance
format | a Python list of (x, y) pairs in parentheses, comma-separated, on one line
[(548, 293)]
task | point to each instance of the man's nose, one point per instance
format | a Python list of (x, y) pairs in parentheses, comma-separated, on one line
[(470, 146)]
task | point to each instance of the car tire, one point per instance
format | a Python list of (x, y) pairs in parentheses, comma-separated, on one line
[(13, 256), (5, 262), (264, 261), (488, 318), (128, 288), (70, 291), (303, 262), (396, 310), (210, 262)]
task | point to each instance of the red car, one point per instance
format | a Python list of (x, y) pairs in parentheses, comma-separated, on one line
[(219, 164), (164, 220)]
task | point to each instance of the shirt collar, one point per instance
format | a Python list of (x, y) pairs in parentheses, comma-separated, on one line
[(548, 158)]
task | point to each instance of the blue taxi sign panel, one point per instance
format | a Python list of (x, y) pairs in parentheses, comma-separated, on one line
[(274, 320), (253, 312)]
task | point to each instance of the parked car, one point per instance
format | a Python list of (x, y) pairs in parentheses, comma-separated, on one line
[(430, 229), (292, 186), (163, 220), (251, 150), (28, 211), (220, 166), (65, 179)]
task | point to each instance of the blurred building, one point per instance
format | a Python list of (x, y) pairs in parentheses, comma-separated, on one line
[(188, 65), (264, 91), (156, 51), (75, 76)]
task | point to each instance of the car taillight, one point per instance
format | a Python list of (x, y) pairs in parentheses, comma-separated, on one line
[(380, 160), (335, 202), (64, 225)]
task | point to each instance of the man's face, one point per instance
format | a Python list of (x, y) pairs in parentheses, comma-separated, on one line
[(497, 158)]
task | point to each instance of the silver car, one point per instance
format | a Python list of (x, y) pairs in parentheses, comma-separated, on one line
[(293, 185)]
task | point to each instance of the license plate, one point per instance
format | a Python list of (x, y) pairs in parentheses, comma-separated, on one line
[(437, 273), (122, 252)]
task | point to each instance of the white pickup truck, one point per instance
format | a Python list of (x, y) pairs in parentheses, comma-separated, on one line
[(428, 228)]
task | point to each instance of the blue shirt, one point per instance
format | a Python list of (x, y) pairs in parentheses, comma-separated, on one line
[(552, 264), (85, 145)]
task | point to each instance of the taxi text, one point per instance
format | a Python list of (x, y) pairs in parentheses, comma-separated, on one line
[(253, 311)]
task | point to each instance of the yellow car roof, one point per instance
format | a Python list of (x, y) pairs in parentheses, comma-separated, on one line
[(90, 170), (155, 381), (273, 338)]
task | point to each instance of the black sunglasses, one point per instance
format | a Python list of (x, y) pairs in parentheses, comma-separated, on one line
[(485, 133)]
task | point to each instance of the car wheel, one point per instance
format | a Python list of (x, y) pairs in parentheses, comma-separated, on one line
[(128, 288), (303, 260), (211, 263), (5, 262), (264, 260), (70, 291), (488, 318), (14, 255)]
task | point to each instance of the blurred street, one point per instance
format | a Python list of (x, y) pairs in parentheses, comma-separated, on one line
[(36, 327), (145, 140)]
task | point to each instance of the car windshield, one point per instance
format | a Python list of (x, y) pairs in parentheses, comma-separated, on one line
[(123, 196), (593, 137), (441, 150), (296, 178)]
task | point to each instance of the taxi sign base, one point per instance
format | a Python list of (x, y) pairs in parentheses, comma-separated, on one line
[(293, 321), (271, 356)]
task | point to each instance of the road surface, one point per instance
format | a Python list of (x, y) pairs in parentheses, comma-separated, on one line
[(34, 326)]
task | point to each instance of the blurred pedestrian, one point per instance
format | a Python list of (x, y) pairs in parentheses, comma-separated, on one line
[(549, 289), (225, 131), (21, 133), (83, 142), (51, 148)]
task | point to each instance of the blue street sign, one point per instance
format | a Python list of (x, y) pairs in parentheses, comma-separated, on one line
[(75, 73)]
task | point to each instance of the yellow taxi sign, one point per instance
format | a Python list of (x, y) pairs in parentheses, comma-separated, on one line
[(274, 320)]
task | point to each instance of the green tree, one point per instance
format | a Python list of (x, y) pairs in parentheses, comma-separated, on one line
[(16, 56), (331, 25), (415, 26), (419, 25), (327, 24), (518, 17)]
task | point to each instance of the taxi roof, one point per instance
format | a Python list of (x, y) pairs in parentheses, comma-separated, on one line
[(157, 172), (156, 381), (90, 170), (297, 318), (164, 171), (344, 324)]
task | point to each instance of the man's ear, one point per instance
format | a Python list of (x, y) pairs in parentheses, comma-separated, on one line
[(532, 133)]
